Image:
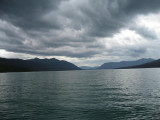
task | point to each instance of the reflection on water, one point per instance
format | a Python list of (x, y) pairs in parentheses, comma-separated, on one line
[(81, 95)]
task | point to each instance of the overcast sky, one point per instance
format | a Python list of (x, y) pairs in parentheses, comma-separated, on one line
[(84, 32)]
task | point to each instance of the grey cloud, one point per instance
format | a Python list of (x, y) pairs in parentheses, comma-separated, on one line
[(100, 18), (27, 14), (94, 19), (106, 17), (144, 32), (142, 6), (137, 52), (68, 53)]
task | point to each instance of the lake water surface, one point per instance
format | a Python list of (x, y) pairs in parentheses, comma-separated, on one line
[(81, 95)]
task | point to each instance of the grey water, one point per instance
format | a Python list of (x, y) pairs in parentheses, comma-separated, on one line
[(132, 94)]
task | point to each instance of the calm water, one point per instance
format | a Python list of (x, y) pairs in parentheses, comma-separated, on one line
[(81, 95)]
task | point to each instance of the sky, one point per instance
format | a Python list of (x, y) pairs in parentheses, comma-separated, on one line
[(84, 32)]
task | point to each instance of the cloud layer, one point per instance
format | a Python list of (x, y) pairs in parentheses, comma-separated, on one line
[(86, 31)]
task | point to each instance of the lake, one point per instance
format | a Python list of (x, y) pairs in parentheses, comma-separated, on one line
[(132, 94)]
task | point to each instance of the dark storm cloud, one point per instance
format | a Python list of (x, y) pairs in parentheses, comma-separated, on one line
[(106, 17), (145, 32), (142, 6), (27, 14), (68, 27)]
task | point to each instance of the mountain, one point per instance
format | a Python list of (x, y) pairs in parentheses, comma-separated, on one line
[(88, 68), (153, 64), (19, 65), (114, 65)]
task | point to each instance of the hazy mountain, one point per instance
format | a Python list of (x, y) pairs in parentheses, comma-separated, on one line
[(153, 64), (113, 65), (19, 65), (88, 68)]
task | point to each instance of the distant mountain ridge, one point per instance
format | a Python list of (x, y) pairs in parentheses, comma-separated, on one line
[(88, 68), (153, 64), (122, 64), (19, 65)]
